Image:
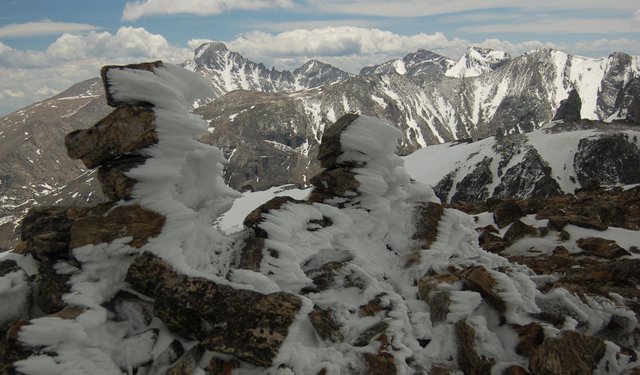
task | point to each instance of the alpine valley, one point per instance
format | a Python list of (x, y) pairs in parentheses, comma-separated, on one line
[(269, 123)]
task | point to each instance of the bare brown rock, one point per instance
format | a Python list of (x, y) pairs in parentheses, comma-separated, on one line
[(601, 248), (332, 183), (251, 253), (325, 324), (519, 230), (432, 283), (490, 242), (115, 183), (479, 279), (469, 360), (506, 212), (530, 336), (515, 370), (249, 325), (122, 132), (382, 363), (427, 216), (572, 353), (51, 287), (330, 148), (255, 217), (219, 366), (106, 223), (46, 233)]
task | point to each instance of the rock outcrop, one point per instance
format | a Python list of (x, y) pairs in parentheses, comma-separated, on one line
[(370, 274)]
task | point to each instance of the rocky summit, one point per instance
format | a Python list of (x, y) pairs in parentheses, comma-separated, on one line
[(370, 274)]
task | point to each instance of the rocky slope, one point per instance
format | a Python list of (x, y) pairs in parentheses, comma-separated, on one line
[(229, 71), (369, 274), (271, 124), (551, 161)]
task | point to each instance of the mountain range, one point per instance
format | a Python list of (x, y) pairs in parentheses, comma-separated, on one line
[(269, 123)]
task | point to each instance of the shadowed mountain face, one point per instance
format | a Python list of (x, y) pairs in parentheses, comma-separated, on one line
[(269, 122)]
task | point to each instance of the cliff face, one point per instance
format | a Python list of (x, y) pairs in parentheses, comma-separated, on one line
[(369, 274)]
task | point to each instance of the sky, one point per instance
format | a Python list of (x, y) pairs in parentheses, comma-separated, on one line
[(48, 45)]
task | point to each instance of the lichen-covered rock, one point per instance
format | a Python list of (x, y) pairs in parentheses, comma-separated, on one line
[(249, 325), (571, 353), (427, 215), (479, 279), (469, 360), (106, 223), (51, 287), (115, 183), (331, 147), (325, 324), (126, 130), (601, 248), (47, 232)]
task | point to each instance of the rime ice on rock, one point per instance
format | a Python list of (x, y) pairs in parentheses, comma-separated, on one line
[(371, 274), (166, 189)]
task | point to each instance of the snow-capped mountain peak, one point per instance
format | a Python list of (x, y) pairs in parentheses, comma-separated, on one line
[(413, 64), (476, 61), (229, 71)]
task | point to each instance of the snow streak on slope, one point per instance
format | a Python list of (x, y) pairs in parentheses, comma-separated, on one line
[(495, 160), (477, 61)]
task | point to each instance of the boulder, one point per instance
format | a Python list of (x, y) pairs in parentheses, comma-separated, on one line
[(571, 353), (480, 280), (246, 324), (325, 324), (469, 361), (106, 223), (601, 248), (330, 147), (506, 212), (427, 217), (46, 232), (519, 230), (124, 131), (115, 183)]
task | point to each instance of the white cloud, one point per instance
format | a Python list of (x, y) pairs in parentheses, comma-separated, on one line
[(29, 76), (195, 43), (350, 48), (636, 15), (44, 27), (138, 9), (73, 58), (11, 94)]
